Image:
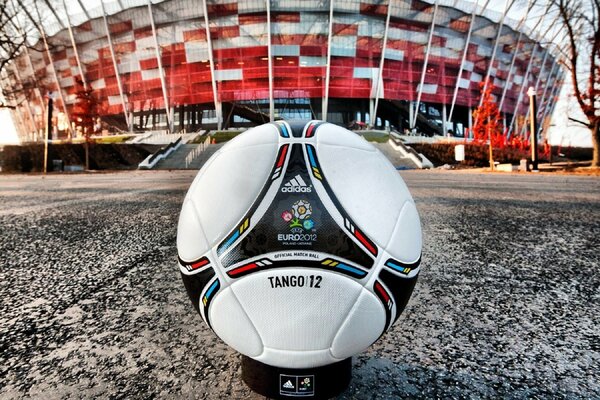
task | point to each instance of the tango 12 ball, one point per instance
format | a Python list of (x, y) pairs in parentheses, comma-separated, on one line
[(299, 244)]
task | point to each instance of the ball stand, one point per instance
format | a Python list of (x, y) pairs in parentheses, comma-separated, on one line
[(288, 383)]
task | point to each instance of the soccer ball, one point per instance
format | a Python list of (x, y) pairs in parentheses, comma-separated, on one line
[(299, 244)]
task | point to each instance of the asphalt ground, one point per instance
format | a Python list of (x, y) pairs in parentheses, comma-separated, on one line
[(507, 304)]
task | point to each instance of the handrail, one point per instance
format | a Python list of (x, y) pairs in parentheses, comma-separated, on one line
[(406, 151), (192, 155), (160, 154)]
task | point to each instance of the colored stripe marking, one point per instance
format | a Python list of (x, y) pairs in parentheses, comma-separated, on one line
[(211, 289), (244, 226), (404, 270), (242, 269), (351, 269), (310, 130), (382, 291), (311, 157), (365, 242), (231, 240), (199, 264), (284, 131), (282, 156)]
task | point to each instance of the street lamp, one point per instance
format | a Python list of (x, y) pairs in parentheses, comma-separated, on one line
[(50, 97), (533, 128)]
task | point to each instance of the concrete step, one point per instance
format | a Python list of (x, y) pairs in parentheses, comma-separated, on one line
[(177, 159), (395, 157)]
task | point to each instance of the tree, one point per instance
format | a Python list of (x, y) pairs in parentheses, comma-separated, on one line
[(85, 114), (11, 38), (581, 22), (487, 122)]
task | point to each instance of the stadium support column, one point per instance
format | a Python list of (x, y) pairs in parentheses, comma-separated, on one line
[(53, 11), (549, 108), (547, 85), (507, 7), (74, 45), (60, 94), (510, 71), (36, 90), (411, 114), (463, 59), (211, 61), (424, 71), (525, 79), (517, 48), (537, 82), (381, 62), (27, 105), (85, 11), (270, 63), (116, 67), (325, 105), (161, 71)]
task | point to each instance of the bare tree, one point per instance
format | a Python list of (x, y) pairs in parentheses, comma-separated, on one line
[(10, 42), (581, 20)]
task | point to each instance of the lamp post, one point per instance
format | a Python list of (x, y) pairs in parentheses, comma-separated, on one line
[(48, 129), (533, 128)]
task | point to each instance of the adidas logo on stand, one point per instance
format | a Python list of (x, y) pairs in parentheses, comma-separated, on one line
[(288, 385), (296, 185)]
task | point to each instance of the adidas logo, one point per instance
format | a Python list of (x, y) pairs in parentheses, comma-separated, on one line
[(288, 385), (296, 185)]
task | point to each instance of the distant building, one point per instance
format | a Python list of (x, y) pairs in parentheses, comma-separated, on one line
[(182, 64)]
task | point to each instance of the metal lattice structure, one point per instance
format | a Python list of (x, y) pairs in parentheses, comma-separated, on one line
[(183, 64)]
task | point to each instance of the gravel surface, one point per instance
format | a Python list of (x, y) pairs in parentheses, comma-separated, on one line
[(507, 304)]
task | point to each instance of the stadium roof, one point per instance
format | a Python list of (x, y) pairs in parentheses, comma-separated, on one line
[(538, 23)]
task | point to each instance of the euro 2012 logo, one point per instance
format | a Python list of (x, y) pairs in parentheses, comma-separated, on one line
[(299, 216)]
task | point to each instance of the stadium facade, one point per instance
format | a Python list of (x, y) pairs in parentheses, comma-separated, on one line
[(191, 65)]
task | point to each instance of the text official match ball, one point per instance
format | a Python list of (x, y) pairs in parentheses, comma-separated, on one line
[(299, 245)]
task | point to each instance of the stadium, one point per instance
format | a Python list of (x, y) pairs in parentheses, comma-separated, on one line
[(183, 66)]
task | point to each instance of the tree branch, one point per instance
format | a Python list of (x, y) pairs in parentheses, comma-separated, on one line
[(586, 124)]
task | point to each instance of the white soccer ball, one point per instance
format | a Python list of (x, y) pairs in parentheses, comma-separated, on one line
[(299, 244)]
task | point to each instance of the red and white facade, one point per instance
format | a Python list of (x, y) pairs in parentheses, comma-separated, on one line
[(167, 57)]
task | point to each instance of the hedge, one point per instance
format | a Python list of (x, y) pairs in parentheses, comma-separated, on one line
[(477, 155), (113, 156)]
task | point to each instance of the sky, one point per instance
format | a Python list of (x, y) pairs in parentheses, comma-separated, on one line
[(562, 131), (8, 134)]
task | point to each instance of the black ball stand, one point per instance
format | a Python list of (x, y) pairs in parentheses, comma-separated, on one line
[(289, 383)]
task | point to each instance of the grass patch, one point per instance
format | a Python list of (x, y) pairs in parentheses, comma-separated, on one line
[(224, 136), (374, 136), (198, 139), (113, 139)]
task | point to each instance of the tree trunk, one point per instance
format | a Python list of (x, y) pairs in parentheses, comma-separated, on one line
[(596, 144)]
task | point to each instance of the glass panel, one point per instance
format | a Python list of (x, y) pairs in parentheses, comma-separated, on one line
[(299, 39), (240, 48)]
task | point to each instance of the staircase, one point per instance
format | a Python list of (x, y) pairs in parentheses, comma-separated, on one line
[(395, 157), (393, 107), (189, 156)]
